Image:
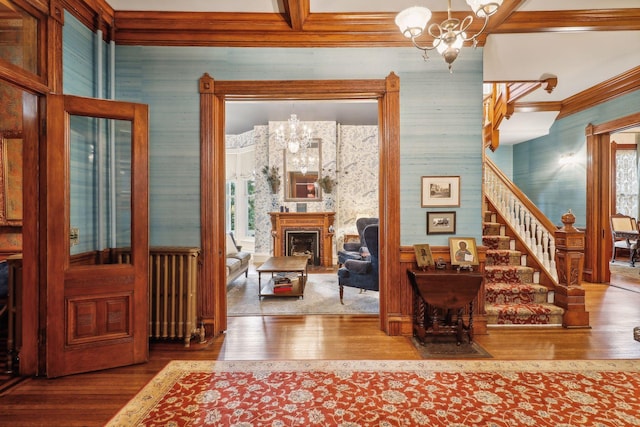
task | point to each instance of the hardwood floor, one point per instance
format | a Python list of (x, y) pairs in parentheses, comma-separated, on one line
[(91, 399)]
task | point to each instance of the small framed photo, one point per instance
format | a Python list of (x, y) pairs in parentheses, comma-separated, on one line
[(440, 191), (423, 256), (463, 251), (301, 207), (441, 223)]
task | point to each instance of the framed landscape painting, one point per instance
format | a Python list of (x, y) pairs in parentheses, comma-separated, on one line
[(440, 191)]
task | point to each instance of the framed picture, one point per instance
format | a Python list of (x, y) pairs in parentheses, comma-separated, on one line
[(441, 223), (463, 251), (301, 207), (423, 256), (440, 191)]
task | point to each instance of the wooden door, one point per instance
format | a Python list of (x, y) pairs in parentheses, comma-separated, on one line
[(96, 216)]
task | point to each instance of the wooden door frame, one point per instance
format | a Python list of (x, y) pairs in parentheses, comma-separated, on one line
[(213, 94), (600, 178)]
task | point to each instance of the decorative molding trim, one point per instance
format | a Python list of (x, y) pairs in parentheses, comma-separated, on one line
[(615, 87), (297, 27)]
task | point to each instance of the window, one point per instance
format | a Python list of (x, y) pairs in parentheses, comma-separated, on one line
[(251, 207), (626, 182), (231, 206)]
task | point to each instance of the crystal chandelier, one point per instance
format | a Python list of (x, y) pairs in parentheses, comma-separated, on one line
[(449, 35), (295, 137)]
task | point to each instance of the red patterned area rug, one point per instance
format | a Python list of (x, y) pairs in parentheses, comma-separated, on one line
[(388, 393)]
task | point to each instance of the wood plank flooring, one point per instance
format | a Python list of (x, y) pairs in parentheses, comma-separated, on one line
[(91, 399)]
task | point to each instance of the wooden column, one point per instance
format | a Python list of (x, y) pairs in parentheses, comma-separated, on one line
[(212, 297), (570, 295)]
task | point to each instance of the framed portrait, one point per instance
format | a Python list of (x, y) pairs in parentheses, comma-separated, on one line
[(441, 223), (463, 251), (440, 191), (423, 256)]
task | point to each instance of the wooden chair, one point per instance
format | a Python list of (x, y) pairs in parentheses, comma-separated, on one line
[(621, 224)]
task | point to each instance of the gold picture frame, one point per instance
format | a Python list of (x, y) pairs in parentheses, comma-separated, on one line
[(463, 251), (423, 256)]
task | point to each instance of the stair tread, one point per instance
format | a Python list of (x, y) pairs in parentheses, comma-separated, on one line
[(508, 267), (503, 251), (511, 297), (529, 307), (517, 287)]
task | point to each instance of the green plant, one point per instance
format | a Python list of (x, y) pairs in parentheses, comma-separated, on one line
[(273, 177), (327, 183)]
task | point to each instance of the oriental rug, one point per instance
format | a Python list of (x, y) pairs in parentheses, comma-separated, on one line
[(388, 393)]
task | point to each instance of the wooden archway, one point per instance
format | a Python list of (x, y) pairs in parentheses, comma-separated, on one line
[(213, 94), (599, 178)]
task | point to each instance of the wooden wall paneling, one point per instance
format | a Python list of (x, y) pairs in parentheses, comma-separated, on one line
[(408, 261), (32, 197), (54, 47)]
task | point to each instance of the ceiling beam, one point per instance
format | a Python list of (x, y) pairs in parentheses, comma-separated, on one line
[(297, 27), (297, 12)]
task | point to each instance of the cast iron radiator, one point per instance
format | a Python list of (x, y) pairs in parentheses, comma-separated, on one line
[(173, 281)]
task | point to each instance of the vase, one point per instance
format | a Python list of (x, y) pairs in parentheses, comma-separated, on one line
[(329, 202), (275, 202)]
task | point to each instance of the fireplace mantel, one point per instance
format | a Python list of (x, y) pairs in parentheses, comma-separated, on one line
[(281, 222)]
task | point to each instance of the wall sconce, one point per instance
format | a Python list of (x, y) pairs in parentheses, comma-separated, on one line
[(567, 159)]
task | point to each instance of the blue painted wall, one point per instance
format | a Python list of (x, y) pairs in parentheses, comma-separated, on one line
[(440, 118), (85, 73), (503, 158), (440, 122), (553, 187)]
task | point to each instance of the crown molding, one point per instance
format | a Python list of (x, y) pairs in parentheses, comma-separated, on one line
[(297, 27), (615, 87)]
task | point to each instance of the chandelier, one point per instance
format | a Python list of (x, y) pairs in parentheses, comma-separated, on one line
[(449, 35), (296, 137)]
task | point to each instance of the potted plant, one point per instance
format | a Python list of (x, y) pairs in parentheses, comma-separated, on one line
[(273, 177), (327, 183)]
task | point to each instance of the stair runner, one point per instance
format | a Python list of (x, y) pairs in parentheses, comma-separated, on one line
[(512, 297)]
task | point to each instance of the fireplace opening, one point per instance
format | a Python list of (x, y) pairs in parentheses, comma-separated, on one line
[(303, 243)]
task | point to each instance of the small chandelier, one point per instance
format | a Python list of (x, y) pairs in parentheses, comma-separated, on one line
[(296, 137), (448, 36)]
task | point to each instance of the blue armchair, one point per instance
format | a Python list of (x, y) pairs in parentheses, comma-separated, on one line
[(356, 250), (362, 274)]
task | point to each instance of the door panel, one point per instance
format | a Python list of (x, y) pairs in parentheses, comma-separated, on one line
[(97, 209)]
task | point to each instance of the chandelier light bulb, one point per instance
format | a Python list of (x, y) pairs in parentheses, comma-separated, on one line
[(449, 35), (484, 8), (412, 21)]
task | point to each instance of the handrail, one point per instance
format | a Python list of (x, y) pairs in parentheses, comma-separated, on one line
[(533, 227)]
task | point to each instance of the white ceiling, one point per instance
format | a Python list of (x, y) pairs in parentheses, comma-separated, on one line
[(578, 59)]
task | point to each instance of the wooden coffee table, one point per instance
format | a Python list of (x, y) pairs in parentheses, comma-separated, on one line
[(283, 264)]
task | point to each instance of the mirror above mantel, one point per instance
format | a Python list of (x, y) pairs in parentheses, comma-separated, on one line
[(301, 171)]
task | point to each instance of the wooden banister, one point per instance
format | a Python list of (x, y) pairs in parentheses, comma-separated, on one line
[(531, 226)]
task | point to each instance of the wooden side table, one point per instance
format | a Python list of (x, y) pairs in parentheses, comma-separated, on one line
[(439, 294)]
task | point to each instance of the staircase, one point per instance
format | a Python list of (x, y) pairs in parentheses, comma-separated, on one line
[(514, 295)]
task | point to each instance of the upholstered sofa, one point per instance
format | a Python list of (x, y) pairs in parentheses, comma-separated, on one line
[(237, 260)]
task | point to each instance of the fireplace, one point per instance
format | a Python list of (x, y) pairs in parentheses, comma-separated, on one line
[(304, 227), (303, 243)]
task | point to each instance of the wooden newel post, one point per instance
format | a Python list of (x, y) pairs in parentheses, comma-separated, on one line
[(569, 255)]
